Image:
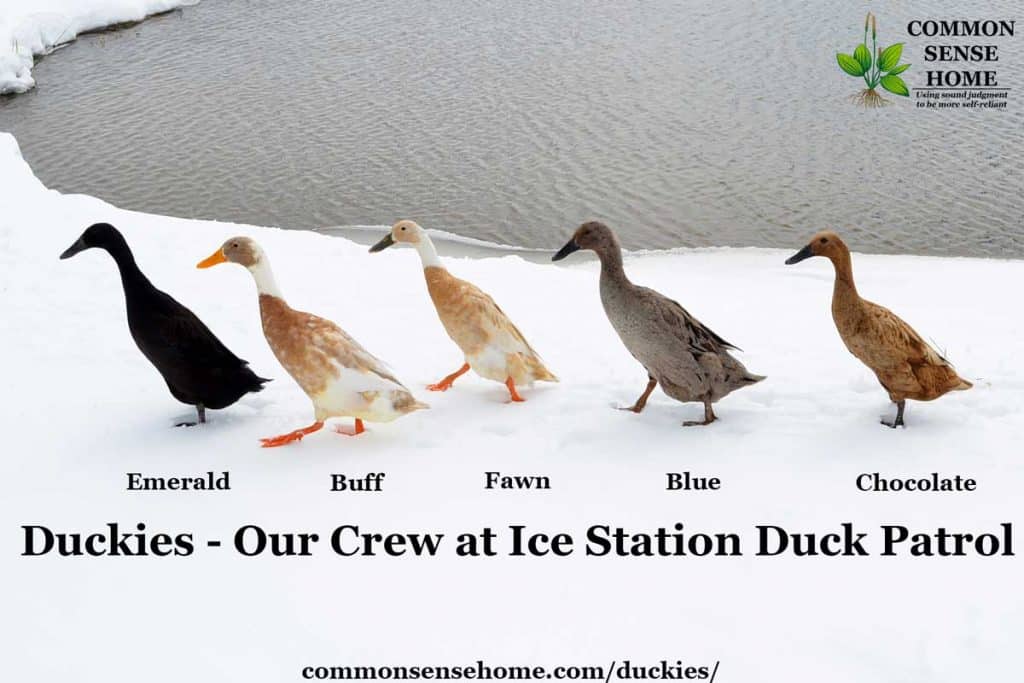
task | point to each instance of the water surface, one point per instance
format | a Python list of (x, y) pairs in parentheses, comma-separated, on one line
[(678, 123)]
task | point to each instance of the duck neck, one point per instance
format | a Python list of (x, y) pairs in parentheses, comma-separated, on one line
[(844, 291), (132, 279), (264, 277), (611, 265), (428, 254)]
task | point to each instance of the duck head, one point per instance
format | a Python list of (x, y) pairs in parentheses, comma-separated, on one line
[(245, 252), (99, 235), (593, 235), (825, 243), (408, 232), (240, 250)]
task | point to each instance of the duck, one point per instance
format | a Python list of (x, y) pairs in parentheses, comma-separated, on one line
[(690, 361), (340, 377), (491, 344), (198, 369), (906, 366)]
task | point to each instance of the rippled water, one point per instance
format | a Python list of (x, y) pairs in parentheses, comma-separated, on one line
[(679, 123)]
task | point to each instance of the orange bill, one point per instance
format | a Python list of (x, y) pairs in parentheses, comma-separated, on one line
[(212, 260)]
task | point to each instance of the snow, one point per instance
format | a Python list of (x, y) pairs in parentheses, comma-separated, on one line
[(461, 242), (35, 27), (82, 408)]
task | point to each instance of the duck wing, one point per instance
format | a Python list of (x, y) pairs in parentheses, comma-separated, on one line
[(352, 355), (170, 334), (472, 318), (689, 360), (196, 365), (893, 337), (501, 323), (905, 364), (698, 336), (308, 343)]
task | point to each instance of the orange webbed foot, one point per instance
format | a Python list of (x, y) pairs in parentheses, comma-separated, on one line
[(274, 441), (513, 394), (290, 437), (359, 429), (447, 382)]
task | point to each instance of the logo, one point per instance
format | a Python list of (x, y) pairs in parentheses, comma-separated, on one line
[(877, 66)]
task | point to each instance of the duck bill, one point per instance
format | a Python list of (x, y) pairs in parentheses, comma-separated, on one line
[(799, 256), (78, 246), (212, 260), (382, 245), (569, 248)]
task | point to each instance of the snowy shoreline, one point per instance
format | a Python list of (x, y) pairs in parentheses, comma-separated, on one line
[(29, 28), (83, 408), (472, 247)]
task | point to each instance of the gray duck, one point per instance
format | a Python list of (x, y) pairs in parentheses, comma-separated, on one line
[(689, 360)]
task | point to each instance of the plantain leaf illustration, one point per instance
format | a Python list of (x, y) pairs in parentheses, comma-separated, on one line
[(890, 57), (863, 57), (899, 69), (849, 64), (895, 85)]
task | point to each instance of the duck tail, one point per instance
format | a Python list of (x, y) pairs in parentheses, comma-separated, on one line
[(254, 382), (751, 378), (403, 402), (546, 376), (539, 371), (964, 385)]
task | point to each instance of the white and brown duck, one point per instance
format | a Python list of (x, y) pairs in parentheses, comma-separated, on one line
[(492, 346), (688, 360), (341, 378), (905, 365)]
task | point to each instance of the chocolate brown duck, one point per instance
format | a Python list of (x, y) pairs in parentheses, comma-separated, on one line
[(689, 360), (905, 365)]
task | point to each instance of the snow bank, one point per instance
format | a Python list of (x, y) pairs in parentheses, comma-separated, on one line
[(34, 27), (82, 407)]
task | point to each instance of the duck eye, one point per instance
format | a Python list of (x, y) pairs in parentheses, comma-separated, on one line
[(403, 228), (824, 240)]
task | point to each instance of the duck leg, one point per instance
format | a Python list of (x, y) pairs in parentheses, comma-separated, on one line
[(201, 417), (898, 422), (297, 435), (516, 398), (446, 383), (641, 402), (359, 429), (709, 417)]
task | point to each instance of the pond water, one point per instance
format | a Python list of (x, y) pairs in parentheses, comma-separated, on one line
[(678, 123)]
